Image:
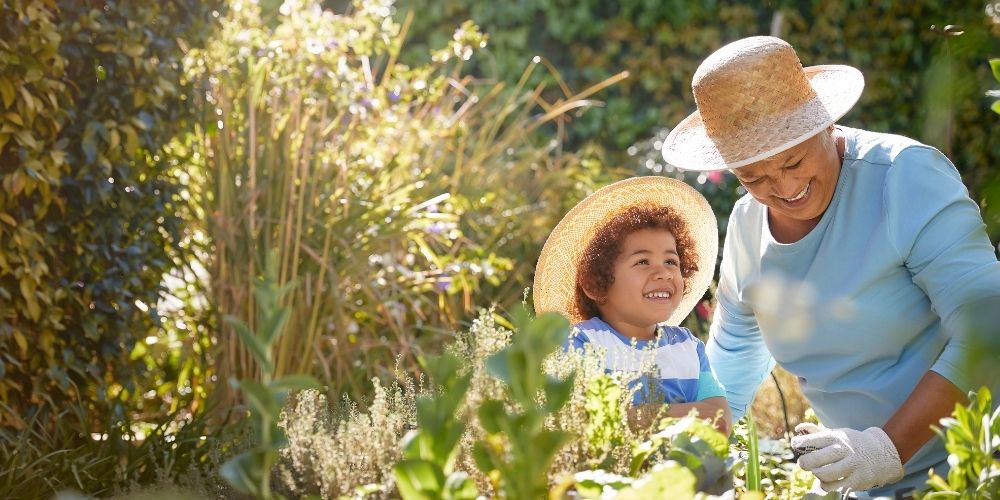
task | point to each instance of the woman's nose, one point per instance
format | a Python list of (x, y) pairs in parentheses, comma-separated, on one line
[(785, 187)]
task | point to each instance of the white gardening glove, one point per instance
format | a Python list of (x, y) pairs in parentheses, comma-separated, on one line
[(846, 458)]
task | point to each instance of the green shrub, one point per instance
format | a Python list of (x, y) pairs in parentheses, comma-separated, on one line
[(87, 202), (393, 194), (970, 436)]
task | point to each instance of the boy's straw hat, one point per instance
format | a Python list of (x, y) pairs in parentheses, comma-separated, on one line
[(555, 275), (756, 100)]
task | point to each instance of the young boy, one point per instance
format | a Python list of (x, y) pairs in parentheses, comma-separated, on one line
[(626, 265)]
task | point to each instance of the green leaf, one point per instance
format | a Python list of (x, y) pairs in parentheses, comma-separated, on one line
[(418, 479), (459, 486), (753, 460), (6, 92), (558, 392), (996, 107), (490, 414), (252, 343), (261, 399), (666, 480), (995, 66), (242, 472), (272, 325), (483, 458)]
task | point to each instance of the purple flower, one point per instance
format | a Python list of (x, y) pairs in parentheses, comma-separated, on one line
[(435, 228), (394, 96), (443, 283)]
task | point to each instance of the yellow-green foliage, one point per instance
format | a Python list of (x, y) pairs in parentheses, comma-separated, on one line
[(33, 161), (89, 94), (400, 197)]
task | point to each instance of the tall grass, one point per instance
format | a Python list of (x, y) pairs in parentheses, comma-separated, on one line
[(392, 194)]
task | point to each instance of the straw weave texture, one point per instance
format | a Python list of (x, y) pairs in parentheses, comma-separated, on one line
[(756, 100)]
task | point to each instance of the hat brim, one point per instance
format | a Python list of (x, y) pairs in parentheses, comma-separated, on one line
[(554, 286), (838, 88)]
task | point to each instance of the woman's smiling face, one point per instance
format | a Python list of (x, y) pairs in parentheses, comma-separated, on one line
[(798, 183)]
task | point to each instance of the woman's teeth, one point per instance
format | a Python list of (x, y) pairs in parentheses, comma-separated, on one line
[(801, 194)]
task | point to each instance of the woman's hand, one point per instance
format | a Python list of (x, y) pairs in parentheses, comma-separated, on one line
[(847, 458)]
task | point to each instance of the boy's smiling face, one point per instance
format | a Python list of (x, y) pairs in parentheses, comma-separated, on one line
[(647, 284)]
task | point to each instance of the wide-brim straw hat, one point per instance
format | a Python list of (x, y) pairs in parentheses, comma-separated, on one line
[(756, 100), (555, 275)]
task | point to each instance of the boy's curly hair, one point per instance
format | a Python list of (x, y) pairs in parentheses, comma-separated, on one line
[(595, 271)]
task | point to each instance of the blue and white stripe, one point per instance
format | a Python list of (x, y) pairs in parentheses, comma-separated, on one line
[(676, 357)]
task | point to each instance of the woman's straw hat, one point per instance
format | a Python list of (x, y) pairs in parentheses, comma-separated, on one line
[(555, 275), (756, 100)]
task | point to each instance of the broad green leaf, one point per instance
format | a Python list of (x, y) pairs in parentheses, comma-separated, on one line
[(418, 479), (666, 480), (995, 66), (483, 458), (996, 107), (6, 92), (490, 413), (558, 392)]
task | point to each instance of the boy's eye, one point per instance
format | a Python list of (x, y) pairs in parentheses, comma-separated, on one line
[(642, 262), (672, 262)]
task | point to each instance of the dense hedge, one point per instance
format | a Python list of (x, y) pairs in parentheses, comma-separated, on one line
[(920, 83), (88, 221)]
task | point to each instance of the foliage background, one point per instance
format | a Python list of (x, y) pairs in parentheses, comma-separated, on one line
[(919, 82), (89, 207)]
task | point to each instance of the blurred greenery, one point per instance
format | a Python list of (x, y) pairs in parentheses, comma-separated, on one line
[(922, 80)]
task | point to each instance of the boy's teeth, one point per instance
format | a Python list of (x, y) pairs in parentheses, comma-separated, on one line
[(658, 295)]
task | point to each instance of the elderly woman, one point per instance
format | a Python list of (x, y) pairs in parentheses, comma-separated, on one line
[(877, 238)]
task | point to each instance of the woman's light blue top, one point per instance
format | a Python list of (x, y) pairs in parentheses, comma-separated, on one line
[(867, 302), (681, 372)]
